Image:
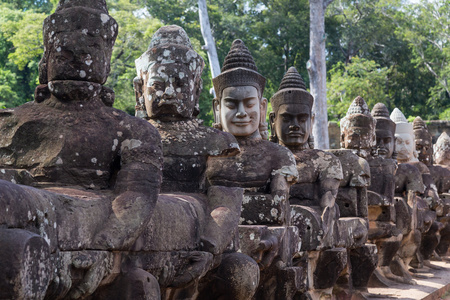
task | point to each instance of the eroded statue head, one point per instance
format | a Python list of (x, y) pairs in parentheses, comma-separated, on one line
[(358, 129), (168, 82)]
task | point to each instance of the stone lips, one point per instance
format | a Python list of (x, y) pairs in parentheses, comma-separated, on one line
[(239, 69)]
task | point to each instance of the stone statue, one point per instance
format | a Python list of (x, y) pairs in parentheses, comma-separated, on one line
[(408, 185), (441, 153), (441, 176), (193, 223), (382, 215), (265, 170), (430, 238), (80, 179), (359, 141), (312, 198), (439, 182)]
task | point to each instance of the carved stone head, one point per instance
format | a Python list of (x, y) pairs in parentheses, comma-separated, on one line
[(78, 42), (385, 131), (404, 137), (358, 129), (423, 139), (291, 116), (239, 107), (168, 82), (442, 150)]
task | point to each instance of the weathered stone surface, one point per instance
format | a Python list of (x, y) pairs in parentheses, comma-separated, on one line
[(194, 222), (441, 149), (94, 171), (27, 269), (265, 178)]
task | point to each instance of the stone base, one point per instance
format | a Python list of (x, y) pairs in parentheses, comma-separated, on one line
[(433, 287)]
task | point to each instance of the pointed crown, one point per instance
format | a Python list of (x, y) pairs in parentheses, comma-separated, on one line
[(402, 125), (292, 90), (418, 123), (442, 143), (358, 106), (170, 44), (239, 69), (358, 115), (381, 113)]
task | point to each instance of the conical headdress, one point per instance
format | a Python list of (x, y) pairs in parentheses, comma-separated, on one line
[(358, 106), (418, 123), (239, 69), (292, 90), (381, 113), (358, 115), (441, 148), (402, 123)]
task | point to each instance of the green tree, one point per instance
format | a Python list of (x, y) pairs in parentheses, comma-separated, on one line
[(426, 28), (361, 77)]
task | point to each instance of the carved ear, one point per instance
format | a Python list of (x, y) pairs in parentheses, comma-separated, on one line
[(216, 110), (272, 120), (313, 118), (263, 106)]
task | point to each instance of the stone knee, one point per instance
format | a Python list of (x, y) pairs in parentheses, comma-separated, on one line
[(237, 277), (25, 264), (135, 284)]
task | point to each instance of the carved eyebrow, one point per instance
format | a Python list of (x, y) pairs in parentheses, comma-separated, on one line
[(236, 100)]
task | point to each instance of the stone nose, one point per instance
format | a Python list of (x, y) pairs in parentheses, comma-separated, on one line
[(170, 91)]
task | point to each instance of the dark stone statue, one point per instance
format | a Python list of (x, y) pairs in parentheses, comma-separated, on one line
[(438, 181), (383, 231), (312, 198), (80, 179), (193, 225), (358, 140), (263, 169)]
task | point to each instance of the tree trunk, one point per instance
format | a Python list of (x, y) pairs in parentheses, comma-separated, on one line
[(210, 45), (318, 72)]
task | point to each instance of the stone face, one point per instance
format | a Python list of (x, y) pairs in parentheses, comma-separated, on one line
[(76, 172)]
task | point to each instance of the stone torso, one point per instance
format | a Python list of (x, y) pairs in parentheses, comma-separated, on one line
[(313, 167), (58, 144), (186, 147), (253, 168)]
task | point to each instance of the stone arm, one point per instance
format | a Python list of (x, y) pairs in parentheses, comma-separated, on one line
[(136, 189), (329, 188)]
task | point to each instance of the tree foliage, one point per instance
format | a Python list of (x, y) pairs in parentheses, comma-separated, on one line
[(361, 77)]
